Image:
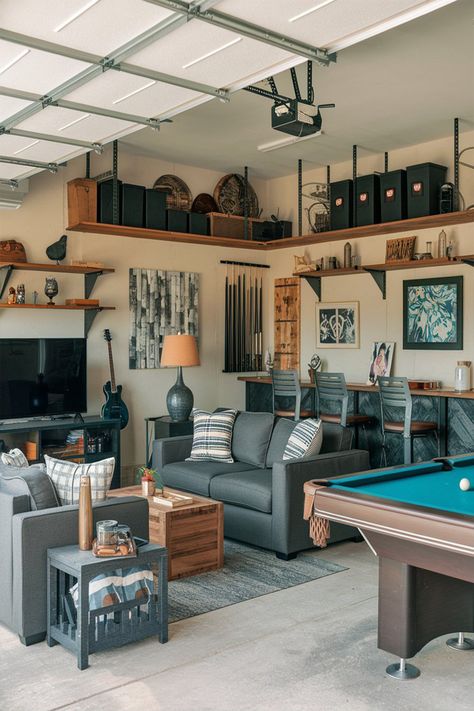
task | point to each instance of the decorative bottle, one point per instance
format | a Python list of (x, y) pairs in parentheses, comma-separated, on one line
[(347, 255), (85, 514), (462, 376), (442, 244)]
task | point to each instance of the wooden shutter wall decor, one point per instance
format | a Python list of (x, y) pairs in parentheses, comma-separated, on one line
[(287, 324)]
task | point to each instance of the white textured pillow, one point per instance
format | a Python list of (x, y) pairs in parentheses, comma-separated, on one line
[(15, 458), (212, 436), (305, 440), (66, 477)]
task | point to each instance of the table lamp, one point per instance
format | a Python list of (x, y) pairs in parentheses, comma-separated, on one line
[(179, 351)]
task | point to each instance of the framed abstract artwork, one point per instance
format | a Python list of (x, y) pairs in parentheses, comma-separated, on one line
[(433, 314), (337, 325)]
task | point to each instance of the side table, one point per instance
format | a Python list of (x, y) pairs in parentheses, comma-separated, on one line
[(87, 631), (164, 426)]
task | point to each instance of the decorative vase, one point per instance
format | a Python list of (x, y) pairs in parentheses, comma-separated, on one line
[(148, 487), (85, 514), (462, 376), (51, 289)]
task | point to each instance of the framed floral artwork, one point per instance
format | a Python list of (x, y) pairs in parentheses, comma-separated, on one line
[(337, 325), (433, 314)]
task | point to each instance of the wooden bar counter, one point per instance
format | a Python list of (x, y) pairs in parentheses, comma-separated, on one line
[(454, 412)]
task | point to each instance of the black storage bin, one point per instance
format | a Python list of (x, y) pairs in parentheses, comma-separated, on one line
[(282, 228), (342, 205), (424, 182), (133, 205), (104, 201), (263, 231), (176, 220), (393, 195), (367, 200), (155, 209), (198, 223)]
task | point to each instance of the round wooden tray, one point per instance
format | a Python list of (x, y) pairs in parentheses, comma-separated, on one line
[(229, 195), (178, 195), (204, 203)]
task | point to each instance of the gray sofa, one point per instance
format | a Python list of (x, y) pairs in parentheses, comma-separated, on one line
[(26, 534), (262, 494)]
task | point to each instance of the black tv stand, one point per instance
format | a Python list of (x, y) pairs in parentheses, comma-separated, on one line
[(94, 439)]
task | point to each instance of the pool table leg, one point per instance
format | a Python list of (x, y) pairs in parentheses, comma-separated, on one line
[(402, 670), (461, 643)]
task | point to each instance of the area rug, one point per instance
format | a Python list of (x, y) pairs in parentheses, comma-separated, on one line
[(247, 573)]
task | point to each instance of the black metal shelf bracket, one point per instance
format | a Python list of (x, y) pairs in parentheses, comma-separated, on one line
[(380, 278), (467, 260), (5, 273), (315, 284), (89, 282), (89, 316)]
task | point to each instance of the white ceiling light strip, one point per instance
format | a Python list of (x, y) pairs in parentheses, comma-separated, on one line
[(212, 52), (274, 145), (133, 93), (73, 123), (25, 148), (14, 61), (319, 6), (76, 15)]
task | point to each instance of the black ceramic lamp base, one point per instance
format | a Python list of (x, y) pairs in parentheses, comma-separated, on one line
[(179, 400)]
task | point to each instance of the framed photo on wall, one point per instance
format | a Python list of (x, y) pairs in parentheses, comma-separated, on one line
[(380, 360), (337, 325), (433, 314)]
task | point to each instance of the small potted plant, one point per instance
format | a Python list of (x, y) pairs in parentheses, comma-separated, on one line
[(150, 480)]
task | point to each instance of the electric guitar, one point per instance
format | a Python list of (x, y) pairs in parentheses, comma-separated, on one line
[(114, 407)]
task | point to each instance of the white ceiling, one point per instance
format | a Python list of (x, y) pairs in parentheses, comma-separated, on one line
[(102, 27)]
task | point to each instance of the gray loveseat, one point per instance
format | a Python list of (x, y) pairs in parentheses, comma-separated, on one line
[(262, 494), (26, 534)]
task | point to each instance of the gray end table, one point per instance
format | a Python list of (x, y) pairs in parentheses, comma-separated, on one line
[(85, 631)]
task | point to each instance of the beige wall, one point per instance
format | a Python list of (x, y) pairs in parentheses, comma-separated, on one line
[(43, 217), (379, 319)]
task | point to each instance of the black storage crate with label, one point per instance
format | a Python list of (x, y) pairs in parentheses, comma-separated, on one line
[(393, 195), (368, 200), (176, 220), (342, 205), (105, 211), (155, 209), (132, 205), (424, 182), (198, 223)]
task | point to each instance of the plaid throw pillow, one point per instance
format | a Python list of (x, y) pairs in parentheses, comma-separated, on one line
[(212, 436), (15, 458), (305, 440), (66, 477)]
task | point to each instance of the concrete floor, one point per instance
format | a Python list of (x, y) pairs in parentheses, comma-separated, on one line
[(308, 647)]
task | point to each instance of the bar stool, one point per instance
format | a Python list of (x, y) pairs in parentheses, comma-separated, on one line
[(395, 393), (332, 387), (286, 384)]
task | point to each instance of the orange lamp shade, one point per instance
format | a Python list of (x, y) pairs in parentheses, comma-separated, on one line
[(180, 350)]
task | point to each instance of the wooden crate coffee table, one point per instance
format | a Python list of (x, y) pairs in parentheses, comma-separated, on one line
[(193, 534)]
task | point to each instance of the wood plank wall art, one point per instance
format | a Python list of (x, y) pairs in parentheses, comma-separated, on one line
[(287, 324), (243, 319), (161, 303)]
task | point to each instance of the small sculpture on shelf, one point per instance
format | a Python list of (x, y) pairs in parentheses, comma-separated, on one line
[(51, 289), (313, 366), (11, 295), (57, 251), (268, 361), (20, 294)]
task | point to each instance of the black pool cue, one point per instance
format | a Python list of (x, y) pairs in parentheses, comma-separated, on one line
[(260, 320), (226, 326)]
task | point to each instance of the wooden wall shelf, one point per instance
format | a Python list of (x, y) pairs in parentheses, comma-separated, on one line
[(384, 228), (90, 312), (183, 237), (378, 271)]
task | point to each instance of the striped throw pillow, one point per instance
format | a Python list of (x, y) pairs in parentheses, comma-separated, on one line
[(305, 440), (66, 477), (212, 436), (15, 458)]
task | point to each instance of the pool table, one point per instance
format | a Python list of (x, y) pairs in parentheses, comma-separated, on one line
[(420, 524)]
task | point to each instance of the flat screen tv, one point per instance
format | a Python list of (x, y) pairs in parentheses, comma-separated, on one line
[(42, 376)]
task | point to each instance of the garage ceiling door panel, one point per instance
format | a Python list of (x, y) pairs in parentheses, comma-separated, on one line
[(35, 71), (10, 172), (123, 20), (330, 22), (9, 106), (89, 128), (174, 53), (131, 94)]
